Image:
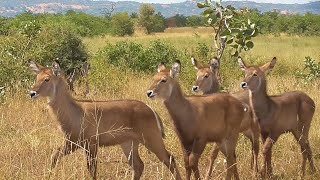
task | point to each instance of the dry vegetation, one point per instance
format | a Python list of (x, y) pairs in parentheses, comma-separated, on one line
[(28, 135)]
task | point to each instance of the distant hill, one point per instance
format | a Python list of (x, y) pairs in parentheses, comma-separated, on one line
[(11, 8)]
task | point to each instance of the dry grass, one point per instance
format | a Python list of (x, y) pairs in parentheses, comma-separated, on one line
[(29, 135)]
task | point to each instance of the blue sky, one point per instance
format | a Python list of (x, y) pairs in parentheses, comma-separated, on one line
[(268, 1)]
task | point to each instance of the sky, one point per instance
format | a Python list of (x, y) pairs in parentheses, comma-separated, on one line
[(264, 1)]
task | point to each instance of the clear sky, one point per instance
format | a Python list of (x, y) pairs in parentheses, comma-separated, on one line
[(267, 1)]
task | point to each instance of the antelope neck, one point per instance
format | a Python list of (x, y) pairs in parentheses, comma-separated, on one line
[(65, 108), (260, 102), (179, 108)]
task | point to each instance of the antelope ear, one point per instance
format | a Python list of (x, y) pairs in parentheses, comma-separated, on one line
[(267, 68), (242, 65), (36, 68), (195, 63), (214, 64), (56, 68), (161, 67), (175, 70)]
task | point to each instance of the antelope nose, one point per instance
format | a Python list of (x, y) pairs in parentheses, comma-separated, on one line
[(195, 88), (149, 93), (243, 85), (32, 94)]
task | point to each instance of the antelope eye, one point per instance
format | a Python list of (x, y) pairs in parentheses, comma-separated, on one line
[(254, 74), (47, 80), (163, 80), (206, 76)]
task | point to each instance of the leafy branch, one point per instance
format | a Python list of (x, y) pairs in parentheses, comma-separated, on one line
[(311, 70), (229, 26)]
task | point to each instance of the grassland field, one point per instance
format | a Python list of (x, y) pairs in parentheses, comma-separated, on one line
[(28, 134)]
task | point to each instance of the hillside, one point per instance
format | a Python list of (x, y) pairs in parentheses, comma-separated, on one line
[(11, 8)]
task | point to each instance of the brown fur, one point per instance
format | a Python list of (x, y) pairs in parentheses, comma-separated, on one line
[(199, 120), (289, 112), (207, 83), (90, 124)]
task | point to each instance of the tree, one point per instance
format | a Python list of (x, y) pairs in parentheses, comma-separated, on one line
[(230, 28), (108, 10), (122, 24), (195, 21), (158, 23), (149, 20), (181, 20)]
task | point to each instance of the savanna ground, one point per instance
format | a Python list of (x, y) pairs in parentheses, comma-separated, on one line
[(28, 135)]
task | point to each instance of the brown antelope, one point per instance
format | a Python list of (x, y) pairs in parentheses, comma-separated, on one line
[(289, 112), (207, 83), (90, 124), (199, 119)]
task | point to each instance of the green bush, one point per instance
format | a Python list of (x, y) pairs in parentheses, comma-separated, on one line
[(149, 20), (79, 23), (138, 58), (202, 51), (106, 77), (159, 23), (310, 72), (41, 44), (195, 21), (122, 24), (87, 25)]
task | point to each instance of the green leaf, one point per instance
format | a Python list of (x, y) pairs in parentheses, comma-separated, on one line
[(235, 53), (235, 30), (230, 41), (240, 42), (249, 44), (208, 12), (225, 33), (248, 38), (218, 4), (235, 46), (255, 32), (201, 5), (247, 32)]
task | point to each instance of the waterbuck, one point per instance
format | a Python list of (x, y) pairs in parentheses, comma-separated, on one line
[(289, 112), (199, 119), (90, 124), (208, 83)]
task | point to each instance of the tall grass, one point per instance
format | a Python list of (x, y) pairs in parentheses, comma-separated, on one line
[(28, 134)]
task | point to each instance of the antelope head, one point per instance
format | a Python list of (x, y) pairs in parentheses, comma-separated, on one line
[(46, 80), (164, 81), (206, 76), (255, 76)]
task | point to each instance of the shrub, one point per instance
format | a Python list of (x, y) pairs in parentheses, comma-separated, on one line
[(311, 70), (106, 77), (85, 24), (79, 23), (149, 20), (202, 51), (41, 44), (122, 24), (138, 58), (159, 23)]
